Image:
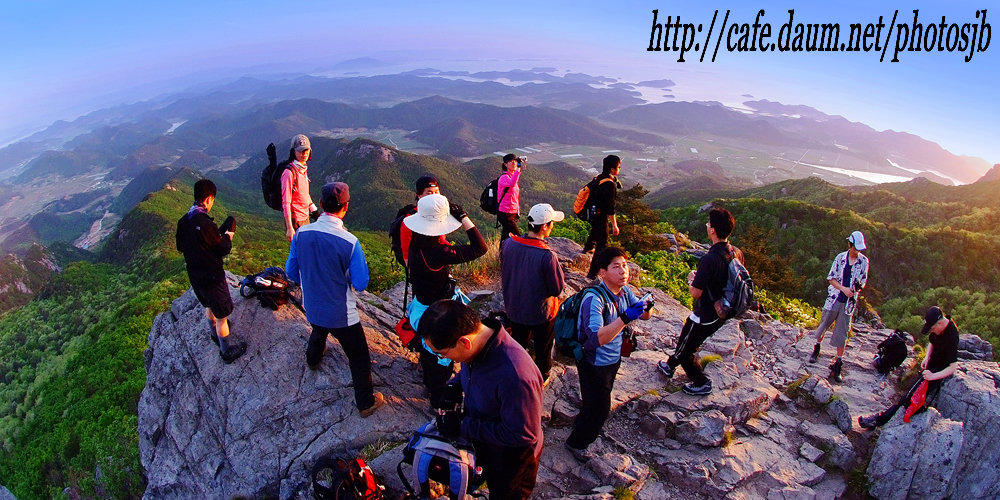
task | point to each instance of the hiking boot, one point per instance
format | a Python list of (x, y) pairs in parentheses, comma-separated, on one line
[(698, 390), (815, 355), (214, 337), (666, 368), (234, 352), (379, 401), (583, 455), (868, 422), (836, 370)]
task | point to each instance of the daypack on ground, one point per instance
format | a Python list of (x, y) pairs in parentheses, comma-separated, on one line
[(567, 332), (488, 200), (449, 462), (891, 352), (270, 178), (738, 295), (339, 479), (582, 206), (271, 287)]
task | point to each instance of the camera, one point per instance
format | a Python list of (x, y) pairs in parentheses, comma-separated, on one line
[(521, 160)]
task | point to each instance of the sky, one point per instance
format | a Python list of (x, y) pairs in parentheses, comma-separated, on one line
[(62, 59)]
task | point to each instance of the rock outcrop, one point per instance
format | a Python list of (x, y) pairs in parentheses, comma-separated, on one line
[(5, 494), (775, 427)]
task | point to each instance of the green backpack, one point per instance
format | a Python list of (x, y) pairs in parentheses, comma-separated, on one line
[(567, 331)]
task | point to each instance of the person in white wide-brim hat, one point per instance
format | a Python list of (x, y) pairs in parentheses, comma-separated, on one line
[(429, 264)]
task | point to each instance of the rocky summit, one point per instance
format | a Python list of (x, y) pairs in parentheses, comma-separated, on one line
[(775, 426)]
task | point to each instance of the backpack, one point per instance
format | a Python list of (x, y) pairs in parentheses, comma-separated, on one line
[(339, 479), (488, 200), (395, 229), (891, 352), (448, 462), (270, 179), (582, 206), (271, 287), (567, 332), (738, 295)]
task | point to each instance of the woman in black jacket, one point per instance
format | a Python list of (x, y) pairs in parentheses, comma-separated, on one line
[(429, 264)]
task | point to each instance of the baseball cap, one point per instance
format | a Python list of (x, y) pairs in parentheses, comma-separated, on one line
[(509, 157), (300, 143), (335, 193), (858, 240), (543, 213), (426, 181), (934, 314)]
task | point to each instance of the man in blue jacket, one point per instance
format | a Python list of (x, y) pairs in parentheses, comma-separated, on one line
[(328, 261), (503, 396), (532, 280)]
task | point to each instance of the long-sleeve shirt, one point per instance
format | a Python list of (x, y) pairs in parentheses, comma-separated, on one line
[(531, 278), (503, 394), (430, 267), (328, 261), (295, 199), (859, 276), (203, 247), (594, 314), (511, 203)]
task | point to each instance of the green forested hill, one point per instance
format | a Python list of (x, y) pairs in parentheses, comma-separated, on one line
[(927, 243)]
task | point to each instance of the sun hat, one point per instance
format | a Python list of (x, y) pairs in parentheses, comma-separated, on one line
[(433, 217)]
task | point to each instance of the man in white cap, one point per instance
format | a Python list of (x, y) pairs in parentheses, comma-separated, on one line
[(532, 280), (296, 203), (847, 276)]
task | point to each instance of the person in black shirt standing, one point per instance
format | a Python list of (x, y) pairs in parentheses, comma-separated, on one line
[(204, 246), (603, 201), (705, 284), (940, 363)]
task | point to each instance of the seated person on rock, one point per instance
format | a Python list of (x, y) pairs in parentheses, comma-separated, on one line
[(939, 363)]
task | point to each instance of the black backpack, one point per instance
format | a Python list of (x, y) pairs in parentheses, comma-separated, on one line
[(271, 287), (738, 295), (891, 352), (270, 178), (339, 479), (394, 232), (488, 200)]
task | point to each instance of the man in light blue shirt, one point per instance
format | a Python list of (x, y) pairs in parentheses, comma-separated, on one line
[(328, 262)]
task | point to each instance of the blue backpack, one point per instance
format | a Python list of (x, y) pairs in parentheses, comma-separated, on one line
[(449, 462), (567, 331)]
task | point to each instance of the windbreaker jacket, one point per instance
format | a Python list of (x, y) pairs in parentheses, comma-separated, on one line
[(328, 261)]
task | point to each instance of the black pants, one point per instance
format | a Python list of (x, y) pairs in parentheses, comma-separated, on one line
[(932, 389), (435, 376), (543, 337), (596, 384), (510, 472), (597, 240), (352, 340), (508, 225), (693, 335)]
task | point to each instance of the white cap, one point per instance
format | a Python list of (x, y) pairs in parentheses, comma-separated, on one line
[(858, 240), (543, 213)]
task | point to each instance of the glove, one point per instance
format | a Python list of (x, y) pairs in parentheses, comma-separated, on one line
[(272, 155), (315, 214), (451, 396), (633, 312), (457, 211), (449, 424)]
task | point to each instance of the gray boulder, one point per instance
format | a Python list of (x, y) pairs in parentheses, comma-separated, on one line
[(704, 428), (254, 427), (972, 347), (5, 494), (915, 460)]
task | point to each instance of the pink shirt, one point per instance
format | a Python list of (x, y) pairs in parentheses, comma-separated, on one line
[(511, 203), (296, 201)]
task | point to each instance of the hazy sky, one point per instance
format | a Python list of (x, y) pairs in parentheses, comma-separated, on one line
[(64, 58)]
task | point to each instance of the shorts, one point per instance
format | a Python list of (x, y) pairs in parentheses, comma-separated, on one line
[(215, 297), (843, 324)]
